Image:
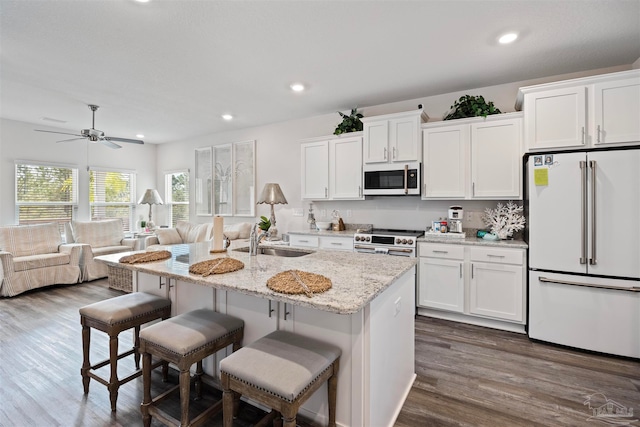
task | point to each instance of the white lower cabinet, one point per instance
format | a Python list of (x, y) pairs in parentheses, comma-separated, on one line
[(441, 279), (473, 284), (338, 243)]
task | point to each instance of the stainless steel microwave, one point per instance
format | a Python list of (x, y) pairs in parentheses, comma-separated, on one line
[(392, 179)]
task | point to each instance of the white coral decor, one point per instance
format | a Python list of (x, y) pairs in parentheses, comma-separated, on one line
[(504, 220)]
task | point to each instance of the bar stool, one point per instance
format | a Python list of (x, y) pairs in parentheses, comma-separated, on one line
[(280, 370), (184, 340), (113, 316)]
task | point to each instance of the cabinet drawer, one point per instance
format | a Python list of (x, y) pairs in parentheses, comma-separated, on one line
[(337, 243), (500, 255), (438, 250), (302, 240)]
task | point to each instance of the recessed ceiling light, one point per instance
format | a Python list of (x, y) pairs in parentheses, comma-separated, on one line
[(508, 38), (297, 87), (227, 116), (139, 135), (142, 1)]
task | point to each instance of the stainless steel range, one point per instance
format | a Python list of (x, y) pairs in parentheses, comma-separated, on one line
[(386, 241)]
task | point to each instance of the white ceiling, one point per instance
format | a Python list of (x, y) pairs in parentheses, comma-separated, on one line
[(169, 69)]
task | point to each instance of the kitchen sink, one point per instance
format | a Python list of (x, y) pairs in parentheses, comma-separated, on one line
[(284, 252)]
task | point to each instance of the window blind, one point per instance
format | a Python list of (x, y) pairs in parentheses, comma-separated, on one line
[(111, 195), (177, 196)]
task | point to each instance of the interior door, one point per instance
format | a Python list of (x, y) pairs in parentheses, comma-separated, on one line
[(616, 247), (556, 231)]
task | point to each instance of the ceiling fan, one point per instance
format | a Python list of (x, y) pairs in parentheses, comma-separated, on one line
[(95, 135)]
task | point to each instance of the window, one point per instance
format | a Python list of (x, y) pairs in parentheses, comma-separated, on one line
[(45, 193), (177, 197), (112, 195)]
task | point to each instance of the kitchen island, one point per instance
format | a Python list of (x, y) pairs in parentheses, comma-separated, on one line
[(369, 313)]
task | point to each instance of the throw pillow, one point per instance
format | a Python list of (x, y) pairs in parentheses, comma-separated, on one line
[(168, 236)]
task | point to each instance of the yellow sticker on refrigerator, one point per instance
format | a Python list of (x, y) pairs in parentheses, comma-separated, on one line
[(541, 176)]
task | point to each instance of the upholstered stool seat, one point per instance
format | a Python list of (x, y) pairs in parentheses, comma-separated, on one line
[(184, 340), (280, 370), (113, 316)]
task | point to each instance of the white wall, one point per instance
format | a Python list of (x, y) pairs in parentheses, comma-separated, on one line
[(18, 141), (278, 160)]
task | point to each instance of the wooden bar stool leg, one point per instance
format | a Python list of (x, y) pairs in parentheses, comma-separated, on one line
[(113, 379), (146, 381), (289, 414), (277, 422), (136, 346), (86, 364), (198, 380), (332, 392), (227, 401), (185, 385)]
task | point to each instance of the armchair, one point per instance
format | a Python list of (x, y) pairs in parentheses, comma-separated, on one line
[(33, 256)]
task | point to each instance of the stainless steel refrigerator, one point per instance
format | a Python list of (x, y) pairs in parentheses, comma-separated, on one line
[(583, 211)]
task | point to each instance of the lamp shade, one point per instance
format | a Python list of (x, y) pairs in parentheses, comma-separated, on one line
[(150, 197), (272, 195)]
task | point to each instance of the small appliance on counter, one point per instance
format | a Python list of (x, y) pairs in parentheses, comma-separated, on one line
[(454, 224)]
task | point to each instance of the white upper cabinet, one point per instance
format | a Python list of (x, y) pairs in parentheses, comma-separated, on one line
[(617, 111), (331, 169), (446, 162), (496, 159), (315, 170), (393, 137), (586, 112), (476, 158)]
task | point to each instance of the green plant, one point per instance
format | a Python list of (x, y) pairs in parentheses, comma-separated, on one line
[(350, 123), (471, 106), (264, 224)]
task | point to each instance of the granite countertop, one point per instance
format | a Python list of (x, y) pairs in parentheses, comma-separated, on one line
[(475, 241), (357, 278)]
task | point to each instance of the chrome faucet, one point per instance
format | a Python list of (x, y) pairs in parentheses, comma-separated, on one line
[(254, 239)]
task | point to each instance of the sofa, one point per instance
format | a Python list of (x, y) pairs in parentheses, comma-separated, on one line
[(98, 238), (186, 232), (34, 256)]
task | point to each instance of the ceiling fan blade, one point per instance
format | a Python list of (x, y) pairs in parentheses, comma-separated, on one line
[(61, 133), (72, 139), (132, 141), (108, 143)]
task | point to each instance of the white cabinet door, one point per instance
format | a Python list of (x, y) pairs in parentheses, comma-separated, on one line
[(260, 315), (617, 111), (496, 290), (496, 159), (555, 118), (404, 141), (336, 243), (303, 240), (345, 169), (315, 170), (441, 284), (376, 141), (445, 162)]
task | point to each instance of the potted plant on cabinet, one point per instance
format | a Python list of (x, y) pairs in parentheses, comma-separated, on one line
[(471, 106), (350, 123)]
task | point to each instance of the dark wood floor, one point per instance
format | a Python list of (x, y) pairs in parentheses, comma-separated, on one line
[(467, 375)]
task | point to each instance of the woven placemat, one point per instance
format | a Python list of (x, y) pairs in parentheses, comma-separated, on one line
[(216, 266), (145, 257), (299, 282)]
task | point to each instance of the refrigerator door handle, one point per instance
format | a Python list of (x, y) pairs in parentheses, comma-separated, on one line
[(589, 285), (583, 216), (592, 165)]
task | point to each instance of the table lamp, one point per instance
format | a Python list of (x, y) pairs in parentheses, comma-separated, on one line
[(272, 195), (150, 197)]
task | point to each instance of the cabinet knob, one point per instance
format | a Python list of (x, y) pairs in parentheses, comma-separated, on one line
[(385, 153)]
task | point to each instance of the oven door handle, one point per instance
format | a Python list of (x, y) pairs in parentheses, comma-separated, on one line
[(372, 248)]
